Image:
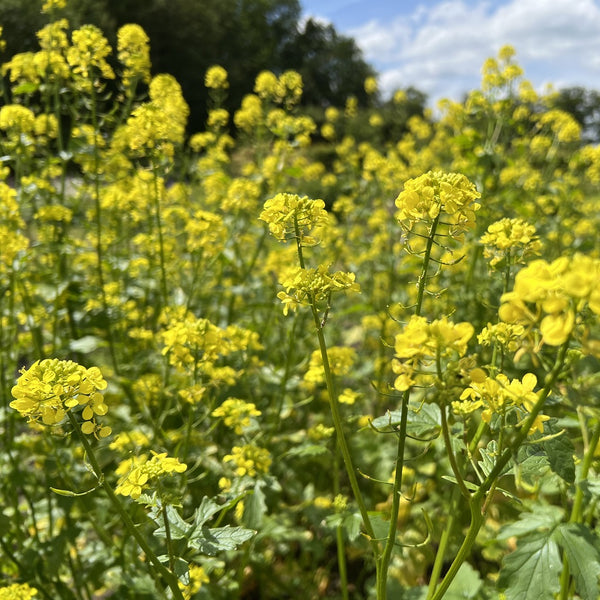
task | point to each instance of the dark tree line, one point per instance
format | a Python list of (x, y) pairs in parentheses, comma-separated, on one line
[(188, 36)]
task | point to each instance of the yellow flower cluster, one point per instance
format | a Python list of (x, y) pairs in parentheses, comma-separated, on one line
[(293, 216), (512, 240), (51, 387), (249, 460), (499, 395), (197, 577), (138, 473), (134, 54), (310, 286), (552, 294), (216, 78), (507, 335), (449, 197), (236, 413), (17, 591), (285, 88), (341, 360), (87, 57), (421, 342)]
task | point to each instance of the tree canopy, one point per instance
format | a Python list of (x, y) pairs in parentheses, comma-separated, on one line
[(243, 36)]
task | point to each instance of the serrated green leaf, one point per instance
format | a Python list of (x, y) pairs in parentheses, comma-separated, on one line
[(178, 528), (582, 548), (205, 511), (532, 570), (210, 541), (545, 518), (560, 452), (423, 421)]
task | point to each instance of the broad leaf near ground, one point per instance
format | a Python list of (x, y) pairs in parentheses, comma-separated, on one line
[(532, 571), (582, 549)]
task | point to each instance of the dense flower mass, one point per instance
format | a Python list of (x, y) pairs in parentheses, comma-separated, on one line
[(552, 294), (290, 216), (448, 197), (17, 591), (510, 239), (50, 388), (139, 473)]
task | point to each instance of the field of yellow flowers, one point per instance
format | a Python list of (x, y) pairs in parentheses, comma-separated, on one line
[(230, 370)]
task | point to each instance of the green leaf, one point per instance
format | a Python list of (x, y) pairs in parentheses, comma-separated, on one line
[(86, 344), (560, 452), (545, 518), (465, 585), (532, 571), (205, 511), (178, 528), (423, 421), (210, 541), (307, 450), (255, 507), (582, 548)]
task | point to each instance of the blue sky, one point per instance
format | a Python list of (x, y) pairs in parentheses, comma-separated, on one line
[(439, 46)]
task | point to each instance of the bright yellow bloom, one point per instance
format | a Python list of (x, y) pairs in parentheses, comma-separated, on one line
[(341, 360), (87, 56), (236, 413), (371, 85), (17, 591), (133, 47), (309, 286), (50, 5), (451, 197), (249, 460), (138, 473), (216, 78), (51, 387), (511, 239), (292, 216), (197, 578)]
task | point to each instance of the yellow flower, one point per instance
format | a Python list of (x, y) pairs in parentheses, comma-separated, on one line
[(216, 78), (17, 591), (236, 413), (512, 239), (51, 387), (249, 460), (50, 5), (87, 56), (371, 85), (134, 53), (292, 216)]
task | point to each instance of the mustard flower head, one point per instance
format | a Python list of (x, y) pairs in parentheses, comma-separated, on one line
[(50, 5), (197, 577), (249, 460), (510, 239), (311, 286), (371, 85), (551, 294), (17, 591), (87, 56), (341, 361), (51, 387), (139, 473), (449, 197), (499, 395), (421, 342), (133, 47), (292, 216), (508, 335), (250, 114), (236, 413), (216, 78)]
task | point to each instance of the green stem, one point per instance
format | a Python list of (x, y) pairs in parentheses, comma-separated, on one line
[(443, 545), (161, 245), (477, 499), (577, 510), (384, 561), (168, 576), (339, 533)]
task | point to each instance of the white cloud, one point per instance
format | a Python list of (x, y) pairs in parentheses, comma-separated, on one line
[(440, 49)]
